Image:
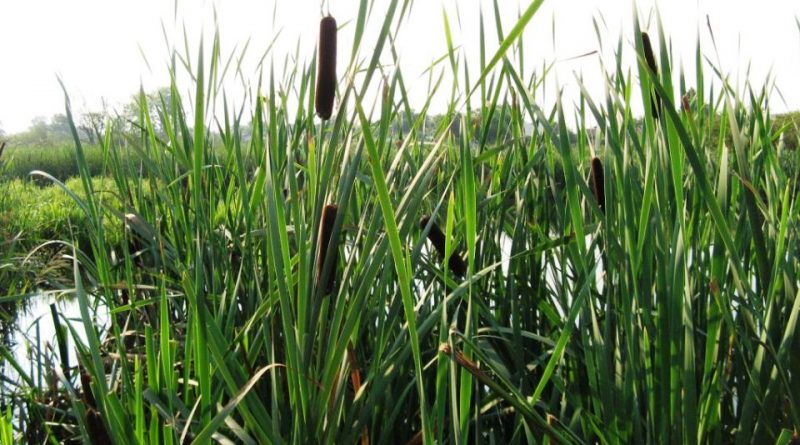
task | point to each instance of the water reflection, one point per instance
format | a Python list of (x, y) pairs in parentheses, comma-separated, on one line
[(32, 336)]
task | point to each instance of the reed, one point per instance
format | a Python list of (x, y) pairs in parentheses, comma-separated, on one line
[(325, 235), (648, 327), (326, 68)]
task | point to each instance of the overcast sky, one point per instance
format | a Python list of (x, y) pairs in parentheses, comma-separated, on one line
[(96, 46)]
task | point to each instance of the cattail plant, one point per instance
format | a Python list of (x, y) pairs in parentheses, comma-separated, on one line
[(436, 237), (597, 183), (326, 68), (94, 422), (325, 235), (386, 94), (655, 101), (514, 104)]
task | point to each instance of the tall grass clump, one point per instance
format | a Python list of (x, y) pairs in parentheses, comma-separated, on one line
[(58, 160), (683, 329)]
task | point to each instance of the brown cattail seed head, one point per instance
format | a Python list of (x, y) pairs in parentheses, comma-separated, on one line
[(94, 422), (326, 68), (88, 397), (325, 235), (514, 105), (598, 184), (385, 94), (648, 53), (436, 237), (651, 63)]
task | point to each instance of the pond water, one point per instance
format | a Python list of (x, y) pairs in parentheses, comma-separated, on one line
[(35, 331)]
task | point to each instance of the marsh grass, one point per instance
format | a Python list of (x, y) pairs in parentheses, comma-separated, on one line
[(58, 160), (690, 340)]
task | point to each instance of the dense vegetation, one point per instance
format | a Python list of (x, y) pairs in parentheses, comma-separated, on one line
[(665, 312), (54, 151), (57, 160)]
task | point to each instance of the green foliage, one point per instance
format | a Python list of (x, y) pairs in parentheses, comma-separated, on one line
[(669, 317), (44, 133), (59, 161), (40, 213), (787, 127)]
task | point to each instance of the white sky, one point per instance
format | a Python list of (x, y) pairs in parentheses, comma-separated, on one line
[(94, 45)]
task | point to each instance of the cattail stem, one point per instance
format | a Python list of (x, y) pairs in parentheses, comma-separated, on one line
[(436, 237), (325, 235), (655, 101), (326, 68), (598, 186)]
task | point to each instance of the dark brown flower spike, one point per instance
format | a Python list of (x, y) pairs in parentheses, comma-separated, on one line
[(598, 184), (514, 104), (326, 68), (655, 102), (436, 237), (386, 94), (325, 235), (687, 108), (94, 421)]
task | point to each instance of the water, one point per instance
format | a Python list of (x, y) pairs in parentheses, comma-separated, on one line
[(35, 334)]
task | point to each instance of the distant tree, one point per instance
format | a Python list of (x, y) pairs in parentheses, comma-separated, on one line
[(45, 133), (129, 118), (161, 99), (37, 132), (92, 125), (59, 129)]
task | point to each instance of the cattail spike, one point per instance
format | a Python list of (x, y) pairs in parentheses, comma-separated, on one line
[(436, 237), (686, 105), (514, 104), (598, 184), (94, 421), (386, 94), (88, 397), (655, 102), (326, 68), (325, 235)]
